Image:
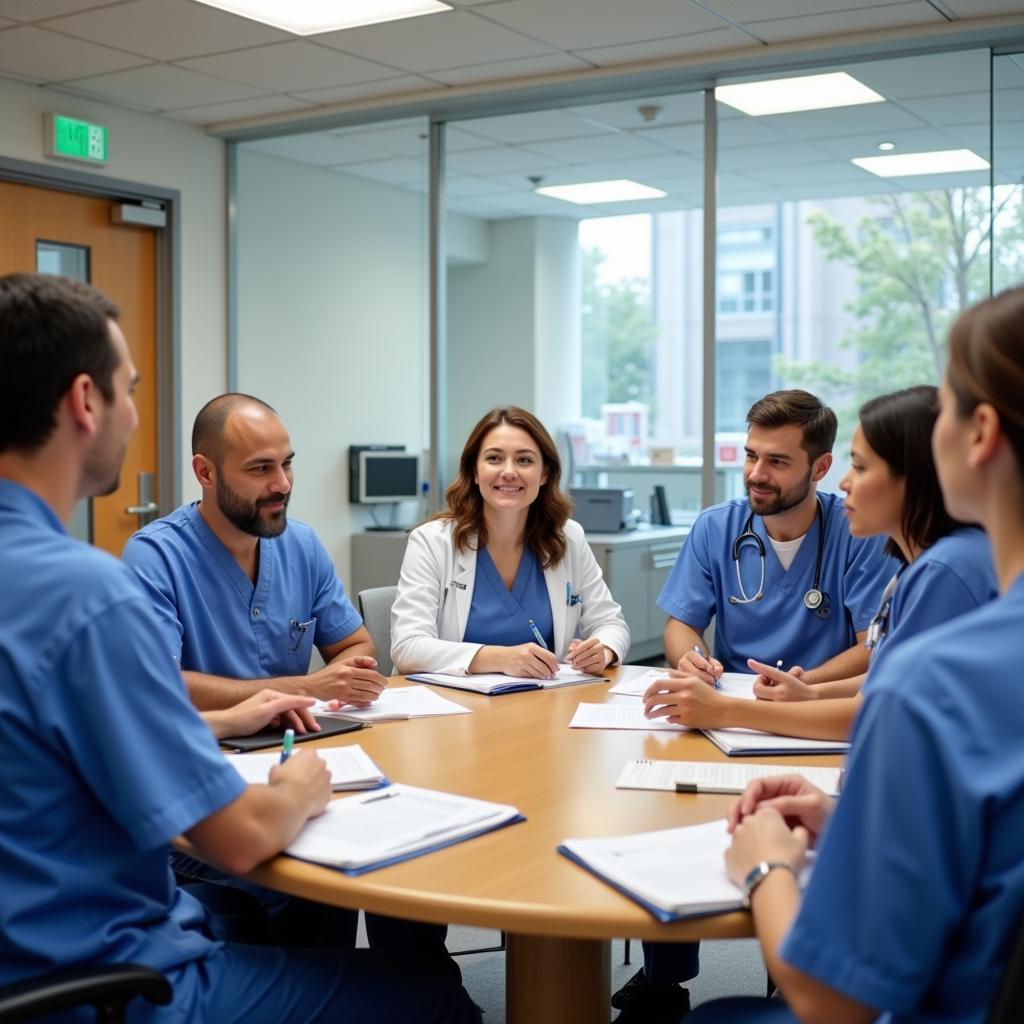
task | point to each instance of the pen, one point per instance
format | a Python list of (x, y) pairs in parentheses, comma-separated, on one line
[(718, 682), (383, 796), (536, 634), (286, 747), (568, 593)]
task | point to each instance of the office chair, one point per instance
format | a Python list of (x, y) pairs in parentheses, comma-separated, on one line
[(109, 988), (375, 608)]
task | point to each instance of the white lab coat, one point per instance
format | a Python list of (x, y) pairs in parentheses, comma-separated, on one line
[(435, 593)]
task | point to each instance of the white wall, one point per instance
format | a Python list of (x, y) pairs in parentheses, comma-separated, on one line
[(153, 151), (332, 299)]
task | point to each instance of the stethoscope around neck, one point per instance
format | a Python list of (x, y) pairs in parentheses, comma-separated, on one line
[(815, 600)]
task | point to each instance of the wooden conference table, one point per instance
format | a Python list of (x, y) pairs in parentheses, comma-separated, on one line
[(559, 919)]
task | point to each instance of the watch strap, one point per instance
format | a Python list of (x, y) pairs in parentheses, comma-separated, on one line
[(759, 872)]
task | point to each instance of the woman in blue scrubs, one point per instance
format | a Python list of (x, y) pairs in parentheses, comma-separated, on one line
[(917, 890), (502, 580), (946, 570)]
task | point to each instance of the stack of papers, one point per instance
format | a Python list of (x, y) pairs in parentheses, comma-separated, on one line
[(350, 767), (674, 873), (750, 743), (493, 683), (705, 777), (619, 716), (363, 833), (732, 684), (395, 704)]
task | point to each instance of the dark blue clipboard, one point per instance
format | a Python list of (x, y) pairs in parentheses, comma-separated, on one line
[(497, 692)]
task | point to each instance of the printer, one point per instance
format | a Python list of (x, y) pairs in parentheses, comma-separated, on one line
[(603, 509)]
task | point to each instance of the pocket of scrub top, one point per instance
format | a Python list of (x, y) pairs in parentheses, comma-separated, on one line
[(300, 644)]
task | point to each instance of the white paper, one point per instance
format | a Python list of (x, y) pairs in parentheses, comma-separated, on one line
[(731, 740), (394, 703), (490, 682), (716, 777), (733, 684), (350, 766), (393, 822), (619, 716)]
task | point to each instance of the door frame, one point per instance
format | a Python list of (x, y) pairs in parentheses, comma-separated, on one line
[(168, 297)]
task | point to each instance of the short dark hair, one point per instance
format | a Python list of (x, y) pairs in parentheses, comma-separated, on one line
[(898, 427), (782, 408), (208, 429), (51, 330)]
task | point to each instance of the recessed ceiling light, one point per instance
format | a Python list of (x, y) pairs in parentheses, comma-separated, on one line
[(887, 147), (942, 161), (788, 95), (621, 190), (310, 17)]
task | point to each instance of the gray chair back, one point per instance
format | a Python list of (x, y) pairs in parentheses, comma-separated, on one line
[(375, 608)]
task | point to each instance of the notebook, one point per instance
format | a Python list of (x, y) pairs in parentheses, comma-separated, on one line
[(494, 683), (750, 743), (350, 767), (364, 833), (395, 704)]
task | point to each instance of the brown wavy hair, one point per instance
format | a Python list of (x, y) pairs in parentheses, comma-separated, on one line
[(545, 521)]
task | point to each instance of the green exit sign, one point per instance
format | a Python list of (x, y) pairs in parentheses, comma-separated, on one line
[(71, 139)]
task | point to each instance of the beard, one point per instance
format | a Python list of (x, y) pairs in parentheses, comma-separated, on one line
[(780, 501), (247, 516)]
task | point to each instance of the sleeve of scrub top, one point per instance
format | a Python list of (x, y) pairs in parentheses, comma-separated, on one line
[(937, 596), (868, 570), (601, 616), (146, 559), (689, 591), (336, 616), (125, 719), (898, 860), (415, 644)]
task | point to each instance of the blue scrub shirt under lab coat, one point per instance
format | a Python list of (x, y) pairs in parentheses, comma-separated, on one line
[(853, 575), (501, 617), (214, 620)]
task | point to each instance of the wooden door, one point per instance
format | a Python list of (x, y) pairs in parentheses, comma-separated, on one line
[(56, 231)]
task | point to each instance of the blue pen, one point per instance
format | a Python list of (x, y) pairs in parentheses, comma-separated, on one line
[(537, 634), (286, 747), (718, 682), (568, 594)]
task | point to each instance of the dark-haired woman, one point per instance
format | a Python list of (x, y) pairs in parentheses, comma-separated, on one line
[(918, 886), (891, 488), (502, 580)]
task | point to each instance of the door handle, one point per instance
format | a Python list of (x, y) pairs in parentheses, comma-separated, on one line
[(147, 508)]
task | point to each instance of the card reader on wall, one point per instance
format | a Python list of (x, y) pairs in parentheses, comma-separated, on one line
[(603, 509)]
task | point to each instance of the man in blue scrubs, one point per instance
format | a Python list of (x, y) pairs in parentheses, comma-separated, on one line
[(785, 582), (103, 759), (242, 592)]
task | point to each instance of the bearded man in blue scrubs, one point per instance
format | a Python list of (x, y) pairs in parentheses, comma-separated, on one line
[(785, 582), (103, 758)]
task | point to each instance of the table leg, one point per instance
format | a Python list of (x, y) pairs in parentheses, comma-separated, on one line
[(557, 981)]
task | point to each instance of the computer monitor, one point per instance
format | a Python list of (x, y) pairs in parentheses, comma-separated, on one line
[(384, 476)]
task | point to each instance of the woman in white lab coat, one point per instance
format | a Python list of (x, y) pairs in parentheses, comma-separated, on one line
[(502, 580)]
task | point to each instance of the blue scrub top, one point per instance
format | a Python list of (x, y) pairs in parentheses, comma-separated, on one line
[(214, 620), (853, 575), (954, 576), (918, 887), (102, 761), (501, 617)]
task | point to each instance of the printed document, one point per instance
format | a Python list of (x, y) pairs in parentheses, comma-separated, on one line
[(733, 684), (708, 777), (750, 743), (394, 704), (619, 716), (497, 682), (350, 767)]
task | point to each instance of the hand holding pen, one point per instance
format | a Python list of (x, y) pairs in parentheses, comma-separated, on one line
[(696, 663)]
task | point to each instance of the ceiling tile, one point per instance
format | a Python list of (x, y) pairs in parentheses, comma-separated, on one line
[(410, 139), (966, 71), (164, 87), (742, 11), (832, 172), (747, 131), (508, 69), (641, 170), (535, 126), (215, 112), (459, 188), (392, 172), (863, 19), (914, 140), (784, 154), (728, 38), (36, 10), (443, 40), (51, 57), (320, 148), (963, 108), (684, 138), (289, 67), (602, 22), (501, 160), (167, 29), (457, 139), (365, 90), (679, 108), (808, 125), (612, 146), (983, 8)]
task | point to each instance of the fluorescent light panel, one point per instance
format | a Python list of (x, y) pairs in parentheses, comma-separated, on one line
[(621, 190), (310, 17), (788, 95), (942, 161)]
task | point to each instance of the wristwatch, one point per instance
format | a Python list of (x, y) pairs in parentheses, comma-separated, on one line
[(759, 873)]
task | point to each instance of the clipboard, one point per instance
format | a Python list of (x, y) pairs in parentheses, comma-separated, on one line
[(274, 737)]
